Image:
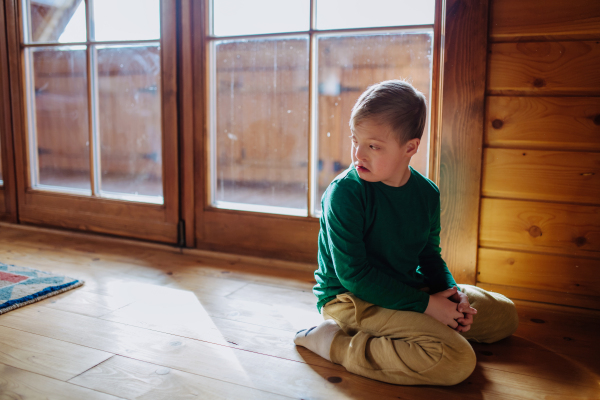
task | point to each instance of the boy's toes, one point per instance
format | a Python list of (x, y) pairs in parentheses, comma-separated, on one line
[(302, 333)]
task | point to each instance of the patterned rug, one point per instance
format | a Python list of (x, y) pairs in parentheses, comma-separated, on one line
[(20, 286)]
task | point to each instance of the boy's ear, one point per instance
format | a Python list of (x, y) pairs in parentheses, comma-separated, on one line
[(412, 146)]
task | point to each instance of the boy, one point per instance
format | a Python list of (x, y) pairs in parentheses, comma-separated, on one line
[(392, 310)]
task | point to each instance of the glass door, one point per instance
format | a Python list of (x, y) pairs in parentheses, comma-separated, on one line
[(281, 80), (99, 133)]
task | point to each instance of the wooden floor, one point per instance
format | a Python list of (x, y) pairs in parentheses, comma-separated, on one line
[(157, 324)]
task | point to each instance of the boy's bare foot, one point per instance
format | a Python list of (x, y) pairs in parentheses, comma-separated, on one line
[(318, 338)]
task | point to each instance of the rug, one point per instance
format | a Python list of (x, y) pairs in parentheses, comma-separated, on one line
[(20, 286)]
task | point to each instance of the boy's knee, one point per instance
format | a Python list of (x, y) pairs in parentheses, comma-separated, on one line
[(456, 365), (463, 366), (511, 321), (506, 321)]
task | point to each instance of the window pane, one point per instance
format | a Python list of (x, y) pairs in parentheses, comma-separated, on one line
[(58, 117), (339, 14), (56, 21), (129, 103), (347, 66), (126, 20), (243, 17), (261, 132)]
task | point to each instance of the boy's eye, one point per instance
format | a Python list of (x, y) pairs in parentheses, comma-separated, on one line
[(374, 147)]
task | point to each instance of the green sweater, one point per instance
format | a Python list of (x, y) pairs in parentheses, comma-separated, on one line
[(381, 243)]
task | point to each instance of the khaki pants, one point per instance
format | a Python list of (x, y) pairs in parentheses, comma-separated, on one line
[(411, 348)]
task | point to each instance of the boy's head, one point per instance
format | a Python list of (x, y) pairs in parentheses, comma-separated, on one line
[(394, 103), (387, 123)]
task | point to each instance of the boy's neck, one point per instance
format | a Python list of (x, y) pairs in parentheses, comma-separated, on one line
[(401, 178)]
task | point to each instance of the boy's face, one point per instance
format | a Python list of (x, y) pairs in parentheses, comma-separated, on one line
[(378, 157)]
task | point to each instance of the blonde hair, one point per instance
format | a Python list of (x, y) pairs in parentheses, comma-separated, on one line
[(394, 103)]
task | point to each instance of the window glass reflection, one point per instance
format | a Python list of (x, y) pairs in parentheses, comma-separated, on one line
[(261, 130)]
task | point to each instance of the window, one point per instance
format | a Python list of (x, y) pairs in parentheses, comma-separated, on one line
[(283, 77), (93, 91), (95, 120)]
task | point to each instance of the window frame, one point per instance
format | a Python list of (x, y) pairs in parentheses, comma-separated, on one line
[(8, 206), (69, 210)]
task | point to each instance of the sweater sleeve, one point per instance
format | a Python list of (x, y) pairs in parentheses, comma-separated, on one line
[(431, 262), (344, 215)]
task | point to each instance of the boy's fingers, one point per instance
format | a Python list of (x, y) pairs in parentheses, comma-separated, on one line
[(466, 308), (449, 292)]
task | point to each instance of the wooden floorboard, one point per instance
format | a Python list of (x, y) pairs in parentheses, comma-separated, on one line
[(19, 384), (153, 324)]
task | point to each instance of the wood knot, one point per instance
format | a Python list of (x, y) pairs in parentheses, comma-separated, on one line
[(580, 241), (538, 321), (539, 83), (535, 231), (597, 120), (511, 261), (497, 123), (334, 379)]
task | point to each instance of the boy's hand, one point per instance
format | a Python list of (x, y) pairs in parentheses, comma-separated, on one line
[(463, 306), (443, 309)]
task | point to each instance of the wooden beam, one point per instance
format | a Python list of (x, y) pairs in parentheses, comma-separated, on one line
[(8, 208), (462, 133)]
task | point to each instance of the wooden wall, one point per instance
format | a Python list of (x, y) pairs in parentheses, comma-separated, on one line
[(539, 232)]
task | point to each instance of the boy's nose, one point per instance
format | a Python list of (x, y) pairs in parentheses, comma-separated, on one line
[(359, 152)]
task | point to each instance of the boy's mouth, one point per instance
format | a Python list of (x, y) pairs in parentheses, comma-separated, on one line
[(360, 168)]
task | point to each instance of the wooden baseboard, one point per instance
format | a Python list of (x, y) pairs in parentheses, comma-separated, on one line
[(267, 262), (544, 296)]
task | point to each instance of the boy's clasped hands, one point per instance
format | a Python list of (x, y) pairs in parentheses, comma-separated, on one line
[(451, 307)]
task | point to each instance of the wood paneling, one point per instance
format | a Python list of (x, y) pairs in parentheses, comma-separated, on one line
[(544, 296), (512, 20), (572, 275), (2, 203), (542, 175), (560, 123), (461, 133), (543, 227), (540, 220), (66, 218), (544, 68), (288, 238)]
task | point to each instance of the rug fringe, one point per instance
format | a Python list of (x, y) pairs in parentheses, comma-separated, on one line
[(15, 306)]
